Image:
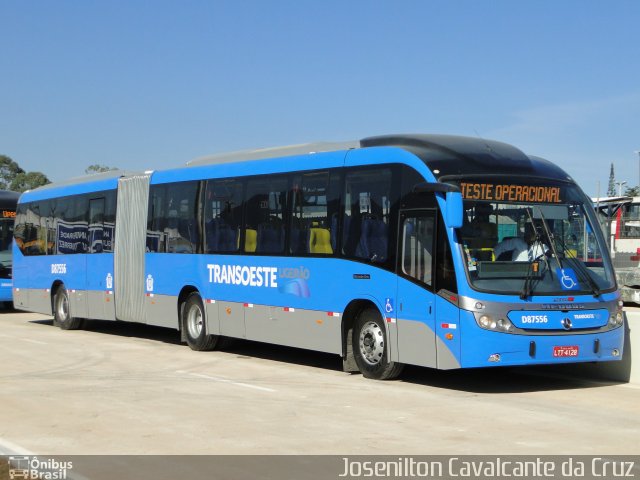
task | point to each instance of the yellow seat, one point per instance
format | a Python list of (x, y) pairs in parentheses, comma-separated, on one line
[(320, 240), (250, 240), (483, 254)]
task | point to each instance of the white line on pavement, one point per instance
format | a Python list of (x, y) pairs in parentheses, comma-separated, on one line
[(225, 380)]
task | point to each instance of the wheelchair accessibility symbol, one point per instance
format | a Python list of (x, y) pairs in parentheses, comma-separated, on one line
[(388, 305), (567, 278)]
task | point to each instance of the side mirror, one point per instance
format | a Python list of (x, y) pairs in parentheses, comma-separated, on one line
[(454, 210)]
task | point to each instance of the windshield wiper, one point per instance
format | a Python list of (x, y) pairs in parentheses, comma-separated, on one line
[(583, 270), (527, 288), (528, 283)]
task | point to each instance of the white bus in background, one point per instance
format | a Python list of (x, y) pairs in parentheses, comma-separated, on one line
[(620, 220)]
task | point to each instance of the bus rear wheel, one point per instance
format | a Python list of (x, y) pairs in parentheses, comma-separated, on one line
[(369, 341), (194, 324), (62, 313)]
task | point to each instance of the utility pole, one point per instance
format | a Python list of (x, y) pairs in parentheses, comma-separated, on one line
[(620, 184)]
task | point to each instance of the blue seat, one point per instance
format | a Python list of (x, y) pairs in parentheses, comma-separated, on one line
[(374, 240), (221, 237), (270, 238)]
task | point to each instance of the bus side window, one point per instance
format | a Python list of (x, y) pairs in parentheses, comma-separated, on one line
[(156, 219), (181, 224), (265, 215), (34, 241), (70, 217), (311, 227), (96, 225), (366, 222), (109, 226), (19, 229), (417, 247), (222, 216), (48, 214)]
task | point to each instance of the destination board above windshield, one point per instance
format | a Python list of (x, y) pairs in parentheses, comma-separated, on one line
[(500, 192)]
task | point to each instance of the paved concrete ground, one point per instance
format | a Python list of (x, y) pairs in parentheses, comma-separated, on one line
[(130, 389)]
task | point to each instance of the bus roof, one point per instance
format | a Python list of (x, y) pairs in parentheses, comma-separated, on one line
[(453, 156), (447, 156), (274, 152), (77, 185), (8, 199)]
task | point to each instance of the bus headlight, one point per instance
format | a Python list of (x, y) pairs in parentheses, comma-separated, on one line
[(616, 320), (488, 322), (504, 324)]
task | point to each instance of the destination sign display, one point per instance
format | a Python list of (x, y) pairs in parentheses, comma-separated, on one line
[(511, 193)]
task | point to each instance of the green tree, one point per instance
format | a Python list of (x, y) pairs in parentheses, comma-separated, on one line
[(28, 181), (611, 191), (8, 171), (98, 169), (632, 191)]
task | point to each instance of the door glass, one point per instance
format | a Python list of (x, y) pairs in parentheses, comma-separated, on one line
[(417, 247)]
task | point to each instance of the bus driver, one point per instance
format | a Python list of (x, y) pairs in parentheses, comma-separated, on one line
[(521, 250)]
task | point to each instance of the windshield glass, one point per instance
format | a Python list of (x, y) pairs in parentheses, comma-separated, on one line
[(6, 236), (532, 240)]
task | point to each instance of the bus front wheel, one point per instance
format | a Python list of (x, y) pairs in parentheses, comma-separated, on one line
[(62, 313), (194, 324), (369, 341)]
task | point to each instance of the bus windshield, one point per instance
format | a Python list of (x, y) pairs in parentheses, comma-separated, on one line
[(6, 237), (533, 240)]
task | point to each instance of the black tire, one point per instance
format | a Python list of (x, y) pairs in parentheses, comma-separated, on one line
[(194, 324), (62, 312), (369, 342)]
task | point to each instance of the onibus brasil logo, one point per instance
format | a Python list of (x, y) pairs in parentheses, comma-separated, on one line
[(33, 468)]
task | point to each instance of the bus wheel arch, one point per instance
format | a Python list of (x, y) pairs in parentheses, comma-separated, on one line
[(61, 309), (349, 318), (182, 297), (54, 288), (193, 320), (362, 318)]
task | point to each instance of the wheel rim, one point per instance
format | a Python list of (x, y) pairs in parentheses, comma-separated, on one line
[(195, 321), (62, 307), (372, 343)]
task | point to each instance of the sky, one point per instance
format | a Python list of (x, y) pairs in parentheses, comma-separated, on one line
[(153, 84)]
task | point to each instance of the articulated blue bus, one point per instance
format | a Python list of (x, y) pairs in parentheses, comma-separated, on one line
[(8, 202), (440, 251)]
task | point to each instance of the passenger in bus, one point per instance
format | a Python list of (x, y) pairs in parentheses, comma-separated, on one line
[(518, 249)]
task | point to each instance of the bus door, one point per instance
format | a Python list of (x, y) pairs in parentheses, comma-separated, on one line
[(415, 299)]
